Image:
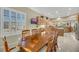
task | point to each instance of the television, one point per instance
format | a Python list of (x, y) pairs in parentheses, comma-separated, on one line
[(34, 21)]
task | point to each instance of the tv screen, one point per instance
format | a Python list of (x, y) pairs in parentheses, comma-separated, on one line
[(34, 21)]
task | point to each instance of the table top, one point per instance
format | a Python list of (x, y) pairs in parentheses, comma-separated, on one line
[(37, 41)]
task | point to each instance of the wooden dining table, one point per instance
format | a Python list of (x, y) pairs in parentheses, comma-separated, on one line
[(37, 41)]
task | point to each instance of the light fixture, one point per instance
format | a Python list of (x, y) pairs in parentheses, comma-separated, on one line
[(70, 9), (56, 12), (58, 18)]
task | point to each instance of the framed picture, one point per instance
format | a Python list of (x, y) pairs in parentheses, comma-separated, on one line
[(34, 21)]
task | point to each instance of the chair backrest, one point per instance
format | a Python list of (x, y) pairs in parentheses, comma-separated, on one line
[(50, 45), (25, 33), (5, 44)]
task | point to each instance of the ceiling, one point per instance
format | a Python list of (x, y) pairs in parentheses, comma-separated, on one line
[(55, 12)]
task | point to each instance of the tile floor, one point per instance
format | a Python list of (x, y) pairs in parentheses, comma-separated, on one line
[(67, 43)]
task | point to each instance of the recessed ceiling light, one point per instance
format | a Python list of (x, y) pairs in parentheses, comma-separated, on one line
[(70, 9), (58, 18), (56, 12)]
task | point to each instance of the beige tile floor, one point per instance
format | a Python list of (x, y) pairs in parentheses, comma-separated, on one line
[(67, 43)]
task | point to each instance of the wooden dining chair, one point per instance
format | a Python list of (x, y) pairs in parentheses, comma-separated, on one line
[(56, 37), (55, 40), (25, 33), (6, 46), (52, 44)]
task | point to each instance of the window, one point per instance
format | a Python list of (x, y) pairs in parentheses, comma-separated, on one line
[(20, 22), (12, 21), (6, 19)]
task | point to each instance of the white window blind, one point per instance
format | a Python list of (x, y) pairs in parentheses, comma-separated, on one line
[(11, 21)]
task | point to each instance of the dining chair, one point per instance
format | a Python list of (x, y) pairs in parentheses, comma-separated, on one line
[(6, 46)]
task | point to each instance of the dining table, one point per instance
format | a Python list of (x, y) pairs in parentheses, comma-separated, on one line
[(37, 41)]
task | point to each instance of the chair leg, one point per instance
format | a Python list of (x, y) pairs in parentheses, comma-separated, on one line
[(55, 49), (52, 49)]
